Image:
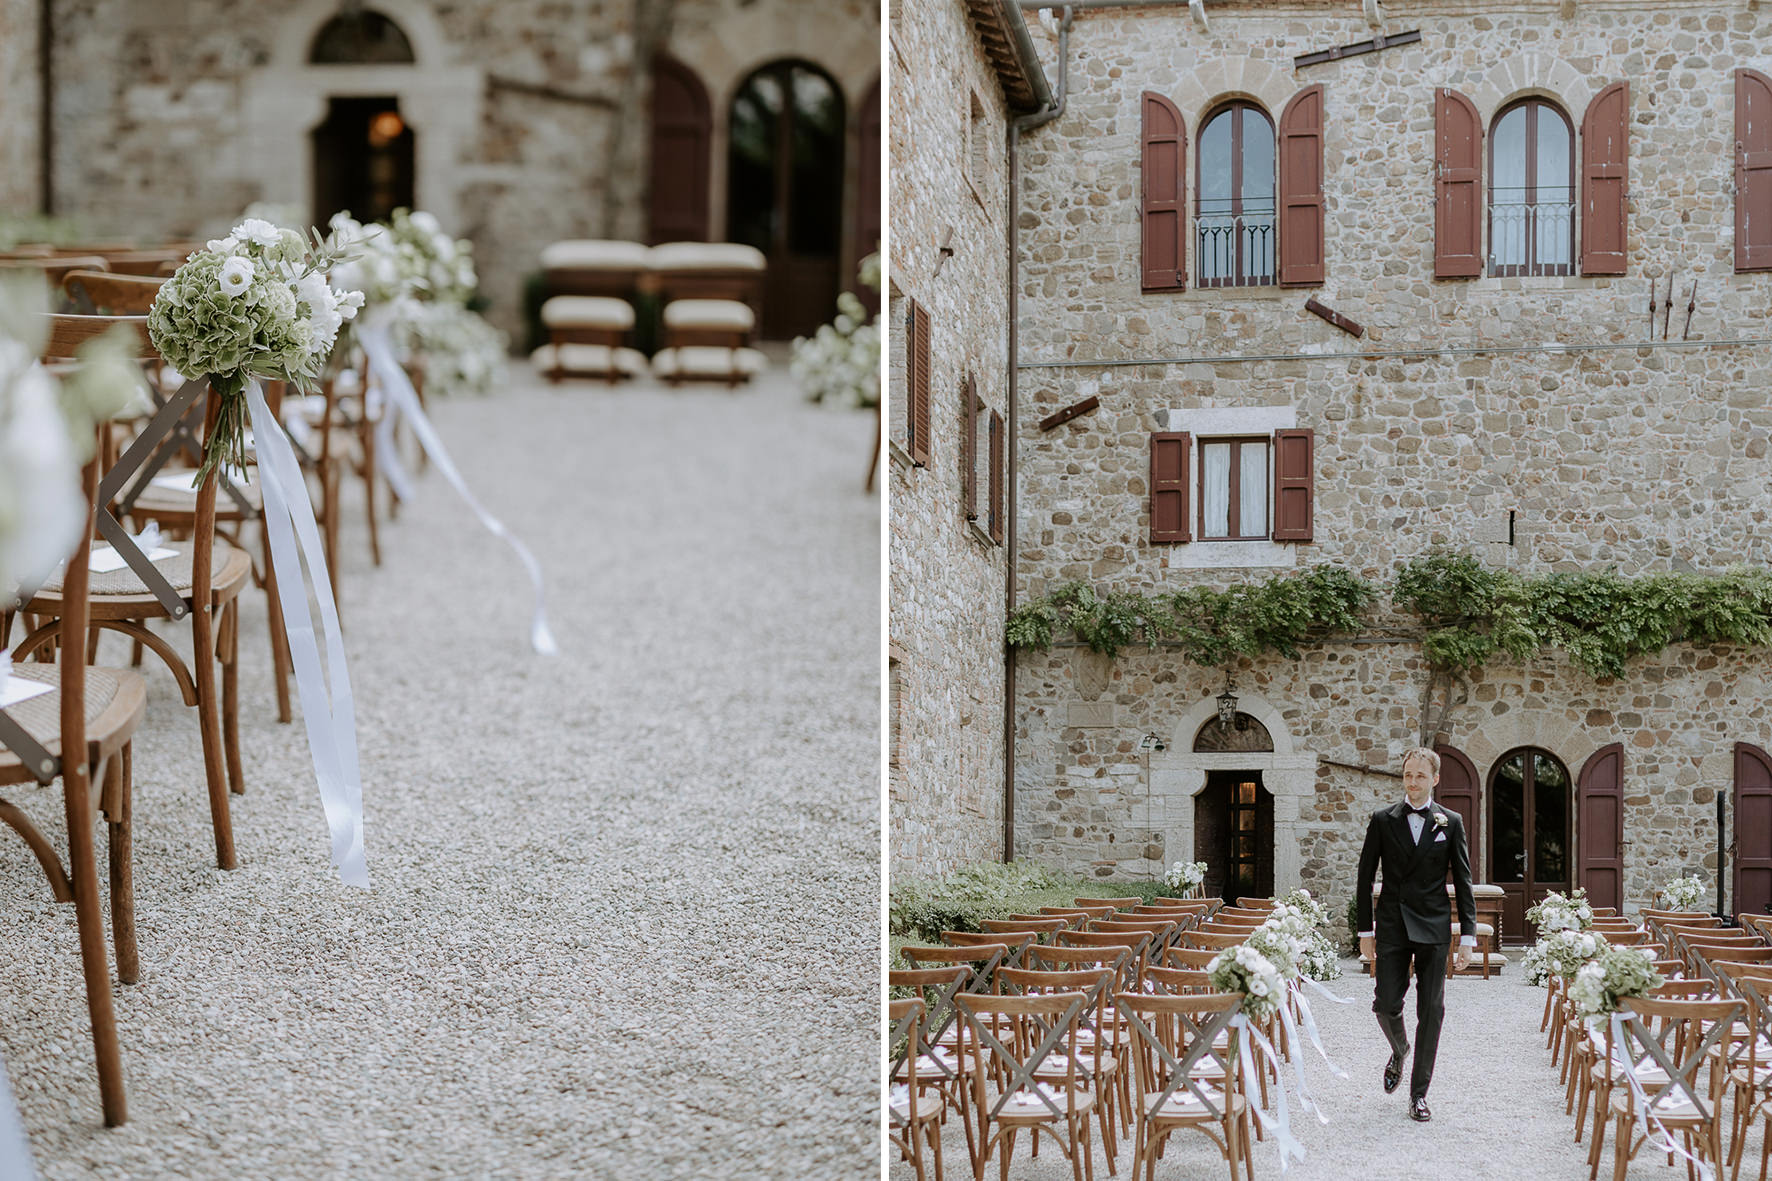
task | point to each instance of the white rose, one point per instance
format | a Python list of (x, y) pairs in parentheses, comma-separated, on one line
[(258, 231), (426, 222), (235, 275)]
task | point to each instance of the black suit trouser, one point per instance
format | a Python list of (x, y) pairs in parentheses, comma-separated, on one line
[(1428, 962)]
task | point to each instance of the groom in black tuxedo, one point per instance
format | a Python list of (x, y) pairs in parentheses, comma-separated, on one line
[(1417, 842)]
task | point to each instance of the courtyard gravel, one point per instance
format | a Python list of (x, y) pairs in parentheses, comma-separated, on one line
[(625, 906)]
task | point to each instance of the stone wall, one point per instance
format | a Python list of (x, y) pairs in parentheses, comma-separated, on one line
[(21, 101), (947, 579), (171, 118), (1548, 424)]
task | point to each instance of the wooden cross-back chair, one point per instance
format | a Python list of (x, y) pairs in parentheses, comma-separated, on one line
[(200, 584), (1187, 1048), (53, 268), (81, 732), (1047, 927), (1009, 1039), (106, 293), (916, 1121), (1101, 1041), (935, 1057), (1015, 943), (1665, 1043)]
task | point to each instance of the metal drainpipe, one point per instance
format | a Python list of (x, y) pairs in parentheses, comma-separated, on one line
[(45, 106), (1016, 127)]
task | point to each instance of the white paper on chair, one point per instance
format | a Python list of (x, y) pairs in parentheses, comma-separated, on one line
[(16, 689), (187, 481), (106, 559)]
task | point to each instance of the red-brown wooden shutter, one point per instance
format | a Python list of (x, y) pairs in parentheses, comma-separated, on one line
[(1294, 484), (1599, 826), (919, 418), (682, 132), (867, 195), (1164, 155), (1461, 790), (996, 477), (1753, 830), (1301, 188), (1170, 454), (1458, 188), (1605, 175), (1753, 171), (969, 449)]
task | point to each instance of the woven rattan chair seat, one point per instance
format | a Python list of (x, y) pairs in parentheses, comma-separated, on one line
[(231, 569), (115, 701), (159, 500)]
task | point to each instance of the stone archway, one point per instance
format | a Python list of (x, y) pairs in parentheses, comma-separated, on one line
[(1179, 773), (286, 99)]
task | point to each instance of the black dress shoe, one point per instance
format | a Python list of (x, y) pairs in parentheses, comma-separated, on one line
[(1418, 1110), (1393, 1070)]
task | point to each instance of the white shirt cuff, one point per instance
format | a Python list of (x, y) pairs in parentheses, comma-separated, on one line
[(1468, 940), (1367, 934)]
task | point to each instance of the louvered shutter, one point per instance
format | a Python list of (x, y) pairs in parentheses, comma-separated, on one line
[(1164, 156), (1599, 819), (1458, 189), (969, 449), (919, 418), (1753, 171), (1605, 175), (1753, 830), (1170, 454), (996, 477), (1294, 490), (1301, 188)]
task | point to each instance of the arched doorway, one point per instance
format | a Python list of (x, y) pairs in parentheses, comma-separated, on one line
[(784, 186), (1529, 823), (363, 152), (682, 130), (1234, 814)]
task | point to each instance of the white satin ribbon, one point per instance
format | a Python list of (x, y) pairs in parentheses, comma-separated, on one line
[(15, 1150), (328, 710), (1652, 1126), (402, 399), (1309, 1022), (1280, 1126)]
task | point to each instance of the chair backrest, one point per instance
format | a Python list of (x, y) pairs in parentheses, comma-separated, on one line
[(1191, 957), (1060, 958), (1212, 940), (1225, 921), (1093, 912), (1206, 904), (906, 1033), (1162, 930), (1045, 926), (1137, 942), (53, 267), (1604, 912), (1691, 990), (1110, 903), (1015, 942), (982, 960), (936, 988), (1010, 1038), (1179, 981), (1759, 924), (1675, 1035), (67, 333), (1075, 919), (1256, 903), (1175, 1037), (1670, 968), (111, 294)]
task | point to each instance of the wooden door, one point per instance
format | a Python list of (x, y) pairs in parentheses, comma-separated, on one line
[(1461, 790), (1529, 828), (682, 131), (784, 190), (1753, 830), (867, 195), (1599, 809), (1234, 835)]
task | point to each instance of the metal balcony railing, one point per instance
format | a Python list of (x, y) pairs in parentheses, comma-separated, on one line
[(1236, 250), (1531, 237)]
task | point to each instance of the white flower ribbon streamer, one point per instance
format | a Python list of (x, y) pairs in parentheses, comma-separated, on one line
[(15, 1150), (402, 399), (1281, 1124), (328, 710), (1309, 1022)]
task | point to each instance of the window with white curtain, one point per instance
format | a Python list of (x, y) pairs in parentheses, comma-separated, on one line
[(1234, 489)]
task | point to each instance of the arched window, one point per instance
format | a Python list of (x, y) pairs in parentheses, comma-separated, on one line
[(362, 37), (1532, 191), (1235, 222)]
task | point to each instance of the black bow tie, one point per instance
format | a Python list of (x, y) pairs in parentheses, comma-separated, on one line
[(1424, 813)]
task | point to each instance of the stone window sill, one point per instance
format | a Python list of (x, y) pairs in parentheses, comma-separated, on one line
[(1232, 555)]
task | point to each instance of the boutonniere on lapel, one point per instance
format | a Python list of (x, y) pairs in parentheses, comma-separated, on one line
[(1439, 819)]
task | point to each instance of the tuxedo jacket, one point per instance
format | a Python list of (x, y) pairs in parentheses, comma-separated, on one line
[(1412, 906)]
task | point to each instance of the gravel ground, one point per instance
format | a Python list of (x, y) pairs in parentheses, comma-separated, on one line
[(1497, 1104), (626, 901)]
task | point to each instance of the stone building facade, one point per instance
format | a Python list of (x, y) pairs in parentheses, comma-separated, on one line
[(956, 86), (1525, 411), (530, 122)]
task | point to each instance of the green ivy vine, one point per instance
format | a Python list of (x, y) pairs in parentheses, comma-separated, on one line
[(1468, 614)]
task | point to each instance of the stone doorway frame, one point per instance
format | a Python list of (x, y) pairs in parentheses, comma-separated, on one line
[(286, 99), (1178, 774)]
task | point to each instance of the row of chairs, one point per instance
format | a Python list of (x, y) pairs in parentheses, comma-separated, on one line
[(1103, 1009), (1702, 1041), (140, 474)]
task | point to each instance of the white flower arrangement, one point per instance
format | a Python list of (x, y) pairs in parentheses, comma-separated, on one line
[(253, 303), (1303, 919), (1279, 945), (462, 352), (1618, 972), (1185, 875), (841, 361), (1244, 970), (435, 265), (1559, 913), (1683, 893), (1561, 953)]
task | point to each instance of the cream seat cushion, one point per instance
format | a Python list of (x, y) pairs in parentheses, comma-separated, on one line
[(708, 362), (707, 313), (588, 311), (595, 254), (706, 256), (590, 358)]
